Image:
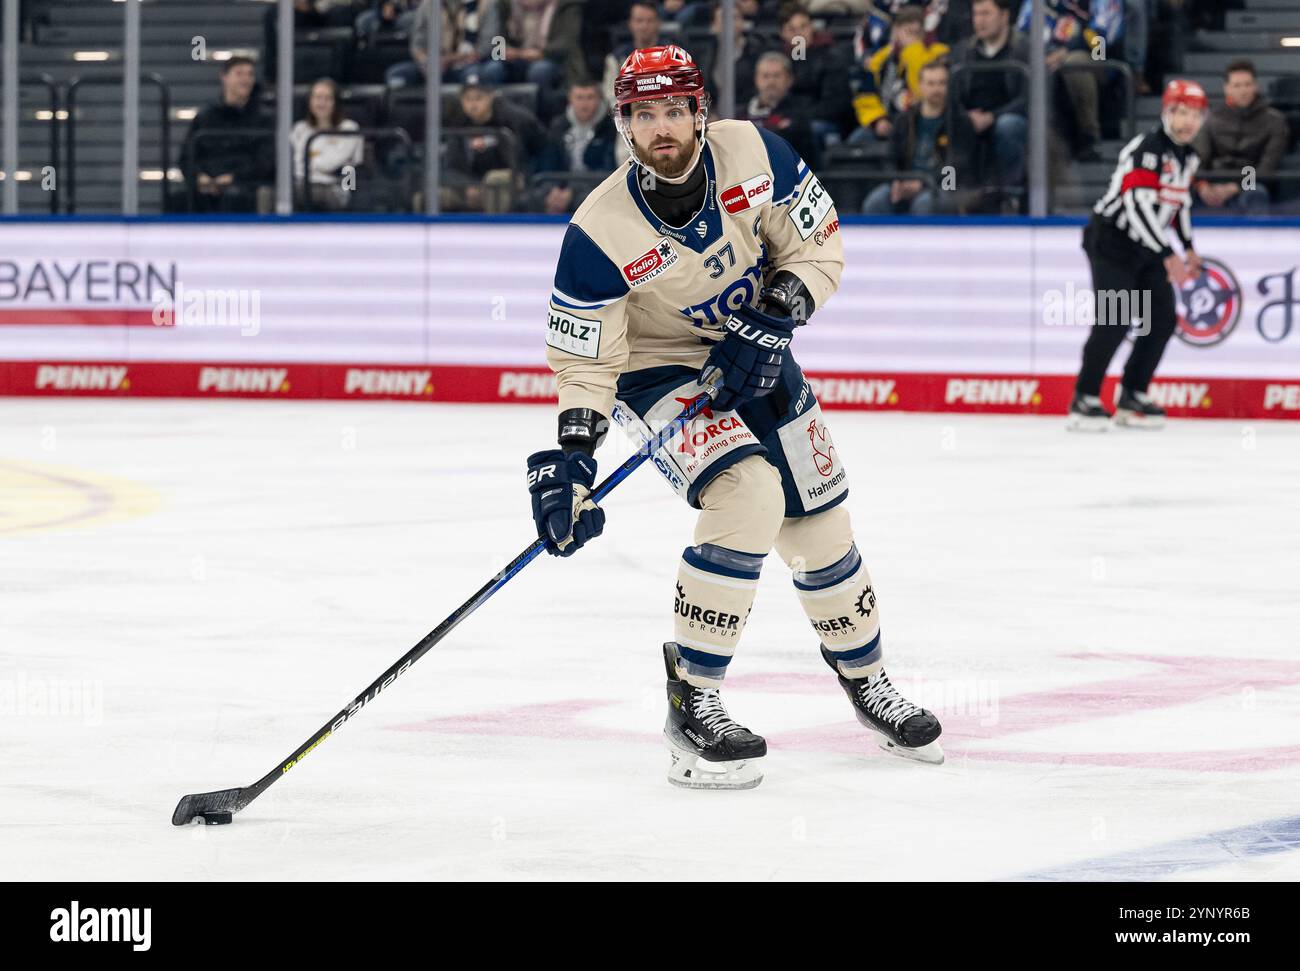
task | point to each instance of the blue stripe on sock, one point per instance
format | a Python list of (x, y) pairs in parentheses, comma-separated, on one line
[(858, 652), (828, 576), (702, 658), (724, 562)]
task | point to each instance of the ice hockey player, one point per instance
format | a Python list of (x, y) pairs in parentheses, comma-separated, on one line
[(1134, 269), (707, 251)]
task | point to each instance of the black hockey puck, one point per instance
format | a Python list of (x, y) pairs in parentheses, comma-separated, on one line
[(215, 819)]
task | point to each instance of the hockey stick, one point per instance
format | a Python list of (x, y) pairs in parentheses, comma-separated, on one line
[(219, 807)]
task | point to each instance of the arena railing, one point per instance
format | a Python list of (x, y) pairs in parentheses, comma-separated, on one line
[(267, 134), (377, 134), (164, 128), (964, 68), (55, 91)]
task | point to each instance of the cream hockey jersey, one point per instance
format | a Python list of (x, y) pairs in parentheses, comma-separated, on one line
[(631, 292)]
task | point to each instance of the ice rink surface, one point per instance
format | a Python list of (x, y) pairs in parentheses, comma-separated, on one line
[(1109, 628)]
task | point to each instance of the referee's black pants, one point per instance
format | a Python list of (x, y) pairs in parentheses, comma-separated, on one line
[(1121, 266)]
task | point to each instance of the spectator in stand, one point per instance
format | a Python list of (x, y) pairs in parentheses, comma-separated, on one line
[(1138, 14), (821, 77), (775, 108), (580, 140), (644, 26), (543, 47), (1244, 132), (225, 170), (330, 154), (750, 43), (944, 21), (485, 169), (1069, 41), (924, 142), (460, 56), (307, 15), (996, 102), (385, 15), (889, 81)]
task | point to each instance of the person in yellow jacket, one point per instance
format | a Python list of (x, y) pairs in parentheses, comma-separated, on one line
[(888, 82)]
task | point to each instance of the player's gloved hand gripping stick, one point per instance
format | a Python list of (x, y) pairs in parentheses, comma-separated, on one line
[(219, 807)]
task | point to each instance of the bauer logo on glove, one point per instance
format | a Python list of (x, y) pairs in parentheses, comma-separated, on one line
[(750, 355), (560, 484)]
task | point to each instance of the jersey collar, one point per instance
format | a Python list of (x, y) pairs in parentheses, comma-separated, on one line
[(701, 230)]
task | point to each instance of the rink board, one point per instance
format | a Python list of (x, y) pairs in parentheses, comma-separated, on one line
[(978, 318)]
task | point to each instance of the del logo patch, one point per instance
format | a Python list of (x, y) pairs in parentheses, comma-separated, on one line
[(576, 335), (746, 195), (650, 264)]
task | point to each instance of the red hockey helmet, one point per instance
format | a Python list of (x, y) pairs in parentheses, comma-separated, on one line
[(652, 73), (1180, 92)]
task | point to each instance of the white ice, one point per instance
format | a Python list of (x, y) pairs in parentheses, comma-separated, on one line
[(1108, 627)]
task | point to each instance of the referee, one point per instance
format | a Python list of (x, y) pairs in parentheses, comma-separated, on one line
[(1134, 269)]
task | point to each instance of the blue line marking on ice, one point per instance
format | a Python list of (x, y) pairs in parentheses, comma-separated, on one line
[(1177, 857)]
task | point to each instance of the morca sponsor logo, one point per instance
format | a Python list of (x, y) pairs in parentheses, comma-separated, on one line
[(992, 391), (82, 377), (1282, 397), (244, 380), (388, 381)]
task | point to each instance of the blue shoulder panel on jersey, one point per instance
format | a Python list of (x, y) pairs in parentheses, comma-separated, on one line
[(788, 169), (585, 278)]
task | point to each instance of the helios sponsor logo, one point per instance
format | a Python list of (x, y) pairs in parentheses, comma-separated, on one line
[(201, 307), (243, 380), (409, 383), (650, 264), (855, 391), (1180, 394), (1282, 397), (992, 391), (132, 925), (526, 385), (82, 377)]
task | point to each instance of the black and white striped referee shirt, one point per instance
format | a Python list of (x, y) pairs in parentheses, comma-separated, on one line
[(1150, 190)]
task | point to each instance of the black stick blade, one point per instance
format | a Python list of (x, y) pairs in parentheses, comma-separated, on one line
[(210, 807)]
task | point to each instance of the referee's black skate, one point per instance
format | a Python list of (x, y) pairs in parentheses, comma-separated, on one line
[(1135, 409), (709, 750), (1087, 414), (902, 727)]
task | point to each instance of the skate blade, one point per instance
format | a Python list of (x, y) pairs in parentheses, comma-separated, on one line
[(1132, 419), (689, 771), (1080, 423), (930, 754)]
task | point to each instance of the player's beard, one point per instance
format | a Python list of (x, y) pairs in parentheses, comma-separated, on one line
[(667, 166)]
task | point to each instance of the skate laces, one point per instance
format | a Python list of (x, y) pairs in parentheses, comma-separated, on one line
[(882, 699), (707, 707)]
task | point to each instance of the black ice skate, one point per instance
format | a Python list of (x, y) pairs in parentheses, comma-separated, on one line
[(902, 727), (1135, 409), (1087, 414), (709, 750)]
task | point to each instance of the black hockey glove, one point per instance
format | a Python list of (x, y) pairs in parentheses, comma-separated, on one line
[(750, 356), (559, 485)]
